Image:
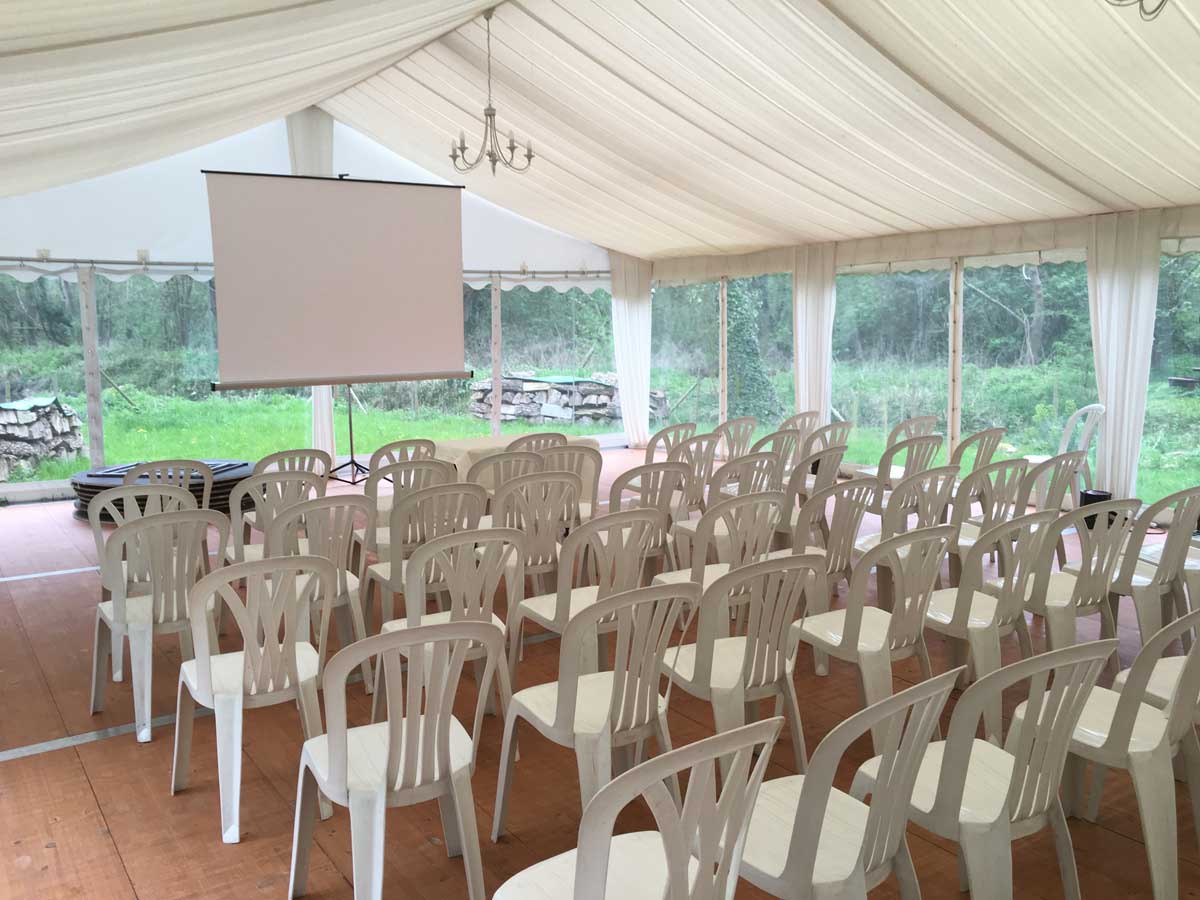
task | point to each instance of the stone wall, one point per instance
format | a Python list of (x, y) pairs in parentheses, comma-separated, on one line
[(35, 429), (559, 399)]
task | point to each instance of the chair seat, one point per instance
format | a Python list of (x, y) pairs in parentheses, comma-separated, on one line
[(989, 771), (871, 541), (383, 537), (585, 510), (1149, 726), (351, 587), (1163, 679), (728, 657), (228, 669), (382, 571), (367, 753), (940, 613), (250, 553), (712, 572), (541, 608), (792, 551), (895, 474), (828, 628), (139, 610), (769, 838), (968, 534), (437, 618), (637, 870), (537, 704)]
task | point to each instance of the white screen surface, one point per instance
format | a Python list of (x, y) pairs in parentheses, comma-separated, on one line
[(327, 281)]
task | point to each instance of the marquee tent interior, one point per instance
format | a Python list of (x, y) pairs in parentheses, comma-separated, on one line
[(685, 154)]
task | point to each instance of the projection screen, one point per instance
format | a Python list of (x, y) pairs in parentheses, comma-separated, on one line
[(335, 281)]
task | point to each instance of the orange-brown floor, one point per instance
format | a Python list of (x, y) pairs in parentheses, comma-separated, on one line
[(97, 819)]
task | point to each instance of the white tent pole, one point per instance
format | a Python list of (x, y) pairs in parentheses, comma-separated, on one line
[(91, 365), (497, 357), (954, 417), (723, 350)]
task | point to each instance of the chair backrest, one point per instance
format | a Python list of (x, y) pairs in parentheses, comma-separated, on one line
[(269, 493), (918, 453), (785, 444), (1185, 508), (1047, 483), (275, 614), (774, 594), (539, 440), (709, 829), (422, 515), (318, 462), (646, 619), (925, 496), (1059, 684), (409, 475), (747, 474), (906, 721), (1181, 709), (1092, 415), (177, 472), (851, 499), (131, 502), (1101, 544), (421, 670), (835, 434), (653, 485), (997, 488), (172, 550), (917, 426), (823, 465), (493, 471), (735, 435), (667, 439), (698, 454), (1021, 563), (586, 462), (402, 451), (467, 566), (985, 442), (740, 529), (914, 560), (328, 524), (544, 505), (609, 552), (804, 422)]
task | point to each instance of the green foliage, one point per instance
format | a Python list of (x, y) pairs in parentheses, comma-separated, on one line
[(750, 390)]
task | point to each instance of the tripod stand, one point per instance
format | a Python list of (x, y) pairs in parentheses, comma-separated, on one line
[(354, 467)]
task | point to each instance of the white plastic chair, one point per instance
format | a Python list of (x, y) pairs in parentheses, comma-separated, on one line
[(812, 473), (177, 472), (698, 453), (536, 442), (402, 451), (278, 662), (267, 493), (119, 506), (805, 422), (499, 468), (405, 477), (659, 865), (667, 439), (731, 671), (586, 462), (985, 443), (1048, 484), (917, 426), (785, 444), (599, 558), (734, 436), (419, 753), (659, 486), (918, 453), (594, 712), (544, 505), (744, 474), (1128, 728), (835, 434), (971, 791), (996, 488), (809, 840), (1078, 433), (872, 638), (171, 550), (731, 533), (316, 462)]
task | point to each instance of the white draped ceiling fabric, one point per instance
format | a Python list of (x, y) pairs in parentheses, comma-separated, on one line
[(704, 136)]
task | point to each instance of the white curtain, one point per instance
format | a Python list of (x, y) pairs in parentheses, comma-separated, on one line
[(631, 342), (310, 148), (813, 302), (1123, 260)]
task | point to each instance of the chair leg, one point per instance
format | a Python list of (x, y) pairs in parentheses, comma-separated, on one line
[(451, 833), (302, 832), (378, 694), (141, 655), (1154, 785), (876, 672), (1095, 793), (729, 712), (662, 734), (228, 715), (1060, 626), (366, 843), (468, 833), (1066, 852), (987, 852), (101, 650), (1074, 783), (985, 652), (490, 703), (593, 756), (310, 723), (906, 873), (1148, 606), (791, 710), (185, 713), (358, 627), (508, 757)]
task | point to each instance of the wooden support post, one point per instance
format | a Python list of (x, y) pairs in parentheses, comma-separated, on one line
[(497, 358), (723, 351), (91, 365), (954, 413)]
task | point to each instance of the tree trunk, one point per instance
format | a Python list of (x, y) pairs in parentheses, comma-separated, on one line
[(1034, 277)]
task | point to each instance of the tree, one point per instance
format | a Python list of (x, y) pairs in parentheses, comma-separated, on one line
[(750, 390)]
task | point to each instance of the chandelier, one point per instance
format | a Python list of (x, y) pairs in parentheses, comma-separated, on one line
[(490, 147), (1148, 9)]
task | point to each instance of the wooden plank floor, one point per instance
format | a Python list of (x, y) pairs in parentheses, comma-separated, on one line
[(97, 819)]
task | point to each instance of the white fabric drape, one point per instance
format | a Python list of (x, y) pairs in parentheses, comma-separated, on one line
[(310, 149), (1123, 264), (631, 342), (813, 302)]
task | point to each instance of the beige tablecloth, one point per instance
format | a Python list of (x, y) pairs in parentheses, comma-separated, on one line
[(466, 452)]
